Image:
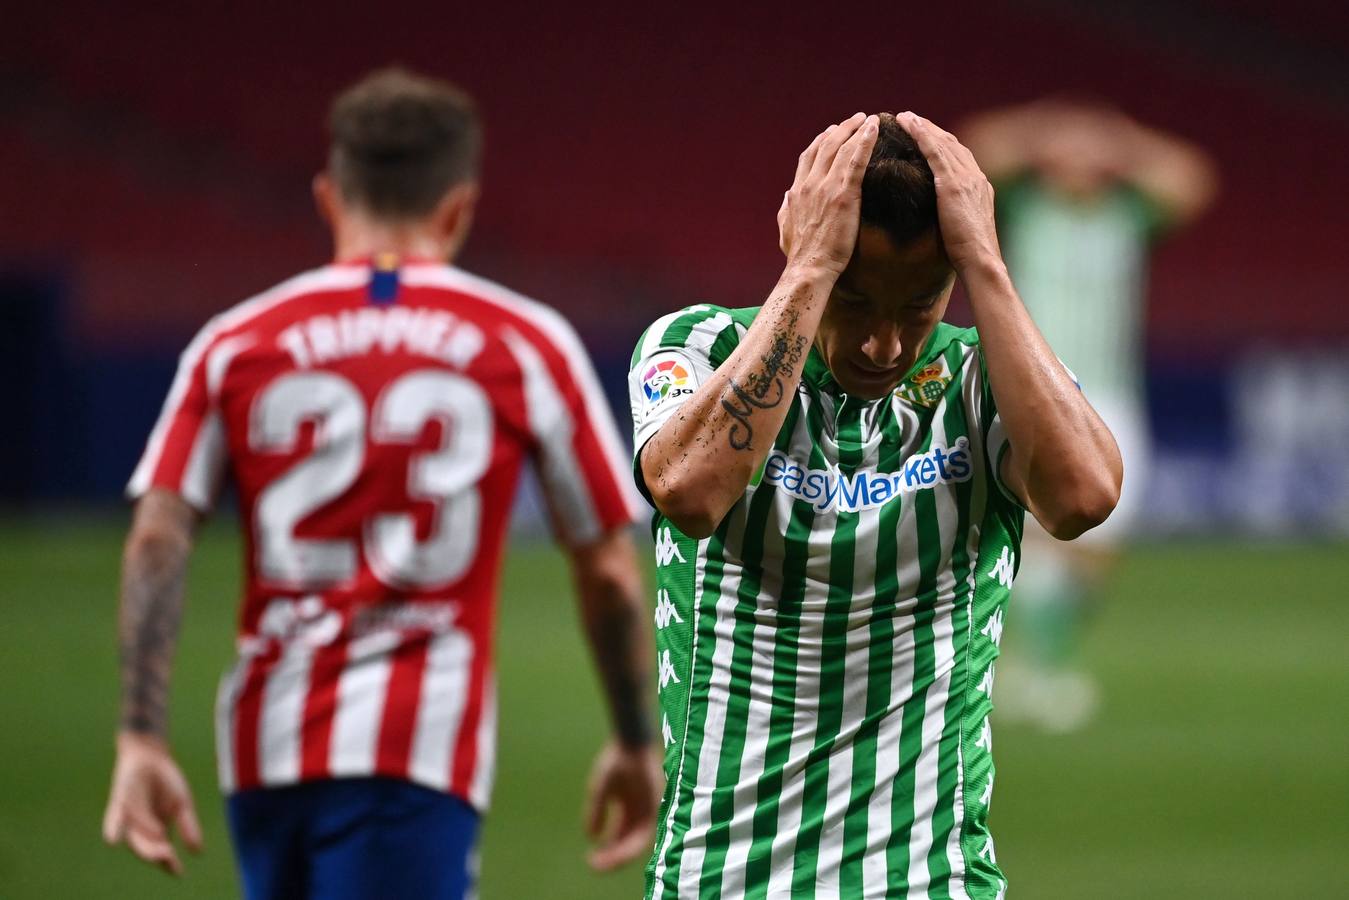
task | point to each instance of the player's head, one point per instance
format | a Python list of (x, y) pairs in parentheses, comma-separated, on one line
[(895, 289), (403, 157)]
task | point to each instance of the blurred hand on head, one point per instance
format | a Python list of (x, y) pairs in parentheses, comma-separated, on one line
[(149, 796), (626, 784)]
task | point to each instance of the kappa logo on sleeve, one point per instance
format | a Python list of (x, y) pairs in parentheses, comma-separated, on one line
[(667, 378)]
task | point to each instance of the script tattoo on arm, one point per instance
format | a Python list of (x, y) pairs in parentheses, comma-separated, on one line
[(762, 389), (152, 607)]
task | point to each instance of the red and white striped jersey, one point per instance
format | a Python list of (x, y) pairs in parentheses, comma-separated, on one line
[(374, 417)]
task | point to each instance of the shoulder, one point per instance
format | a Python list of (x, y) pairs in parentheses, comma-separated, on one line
[(266, 308), (532, 319), (703, 329)]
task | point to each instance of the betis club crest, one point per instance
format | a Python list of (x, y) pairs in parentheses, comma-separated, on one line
[(926, 387)]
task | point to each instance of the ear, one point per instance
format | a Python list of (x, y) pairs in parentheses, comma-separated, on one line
[(326, 199), (453, 215)]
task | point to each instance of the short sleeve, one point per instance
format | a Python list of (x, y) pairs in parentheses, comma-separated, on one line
[(989, 421), (186, 451), (577, 452), (676, 354)]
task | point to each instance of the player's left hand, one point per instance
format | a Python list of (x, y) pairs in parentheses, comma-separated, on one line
[(624, 798), (964, 196)]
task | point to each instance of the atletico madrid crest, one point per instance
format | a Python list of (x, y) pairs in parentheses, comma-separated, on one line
[(926, 387)]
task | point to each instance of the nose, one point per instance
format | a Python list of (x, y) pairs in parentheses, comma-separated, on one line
[(883, 344)]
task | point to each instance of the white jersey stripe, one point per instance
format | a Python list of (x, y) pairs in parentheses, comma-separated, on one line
[(480, 789), (225, 698), (552, 426), (441, 709), (205, 464), (279, 725), (362, 690)]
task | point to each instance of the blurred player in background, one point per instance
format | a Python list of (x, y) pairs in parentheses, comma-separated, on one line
[(375, 414), (840, 479), (1082, 192)]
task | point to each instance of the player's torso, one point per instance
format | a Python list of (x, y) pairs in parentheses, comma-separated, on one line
[(829, 676), (863, 508), (375, 445)]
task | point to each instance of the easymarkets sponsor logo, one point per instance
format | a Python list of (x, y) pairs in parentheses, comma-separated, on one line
[(827, 489)]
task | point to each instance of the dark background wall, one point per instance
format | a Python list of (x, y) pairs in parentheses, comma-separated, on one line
[(155, 159)]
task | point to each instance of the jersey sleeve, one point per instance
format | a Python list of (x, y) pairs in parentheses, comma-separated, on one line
[(675, 355), (577, 452), (990, 425), (186, 451)]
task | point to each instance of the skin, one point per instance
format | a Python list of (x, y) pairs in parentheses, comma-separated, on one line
[(150, 798), (1082, 150), (869, 305)]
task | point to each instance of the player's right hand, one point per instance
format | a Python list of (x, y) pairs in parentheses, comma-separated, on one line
[(150, 795), (821, 214)]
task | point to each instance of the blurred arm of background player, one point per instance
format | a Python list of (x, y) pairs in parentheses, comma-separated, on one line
[(149, 793), (1079, 146), (627, 780)]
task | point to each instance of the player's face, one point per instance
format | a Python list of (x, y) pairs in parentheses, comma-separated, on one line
[(882, 309)]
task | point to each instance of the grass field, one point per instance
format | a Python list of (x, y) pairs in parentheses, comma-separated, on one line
[(1219, 768)]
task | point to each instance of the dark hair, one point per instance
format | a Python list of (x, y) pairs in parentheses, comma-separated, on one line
[(400, 141), (899, 194)]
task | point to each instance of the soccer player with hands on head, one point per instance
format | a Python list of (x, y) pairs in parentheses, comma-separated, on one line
[(840, 479)]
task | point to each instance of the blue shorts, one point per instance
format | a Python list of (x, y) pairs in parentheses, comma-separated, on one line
[(358, 838)]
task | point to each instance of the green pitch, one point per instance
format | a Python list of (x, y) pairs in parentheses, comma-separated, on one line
[(1217, 768)]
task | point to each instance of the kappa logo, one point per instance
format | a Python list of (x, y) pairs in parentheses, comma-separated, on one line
[(666, 378)]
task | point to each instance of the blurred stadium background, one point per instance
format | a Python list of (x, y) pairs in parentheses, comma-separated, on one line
[(154, 169)]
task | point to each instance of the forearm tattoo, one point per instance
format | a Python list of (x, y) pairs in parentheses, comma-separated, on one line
[(615, 635), (152, 607), (762, 389)]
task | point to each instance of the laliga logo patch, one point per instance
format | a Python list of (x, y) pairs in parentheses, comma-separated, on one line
[(665, 379)]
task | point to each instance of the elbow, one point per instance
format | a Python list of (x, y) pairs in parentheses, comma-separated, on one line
[(1083, 508), (690, 508), (156, 543)]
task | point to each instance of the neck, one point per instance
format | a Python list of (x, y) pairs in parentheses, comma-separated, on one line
[(358, 238)]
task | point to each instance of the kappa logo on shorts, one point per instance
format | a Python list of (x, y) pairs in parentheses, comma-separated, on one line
[(668, 376)]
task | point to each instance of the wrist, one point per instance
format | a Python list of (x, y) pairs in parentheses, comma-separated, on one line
[(129, 739), (983, 270), (634, 738), (810, 275)]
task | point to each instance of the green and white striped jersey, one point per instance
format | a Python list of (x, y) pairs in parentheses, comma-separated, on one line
[(826, 657), (1081, 269)]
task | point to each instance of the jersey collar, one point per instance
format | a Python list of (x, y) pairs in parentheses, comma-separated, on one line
[(816, 372)]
